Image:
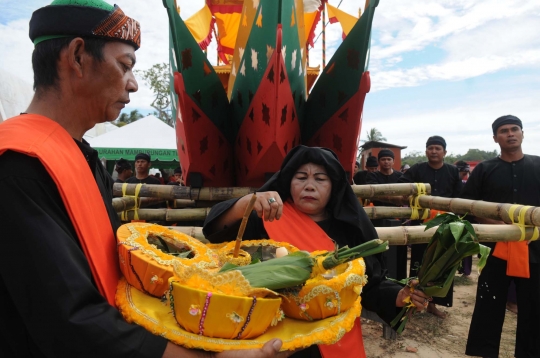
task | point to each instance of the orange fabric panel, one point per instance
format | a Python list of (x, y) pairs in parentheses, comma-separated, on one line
[(200, 25), (347, 21), (517, 256), (40, 137)]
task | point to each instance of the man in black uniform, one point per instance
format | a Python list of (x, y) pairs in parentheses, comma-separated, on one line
[(387, 175), (361, 176), (512, 177), (445, 181), (142, 171), (50, 302), (123, 168)]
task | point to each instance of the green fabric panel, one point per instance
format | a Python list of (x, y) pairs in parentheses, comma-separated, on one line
[(261, 43), (201, 81), (293, 51), (346, 67), (100, 4), (130, 153)]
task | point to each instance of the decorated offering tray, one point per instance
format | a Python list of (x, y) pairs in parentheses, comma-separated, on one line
[(327, 293), (148, 253), (155, 316)]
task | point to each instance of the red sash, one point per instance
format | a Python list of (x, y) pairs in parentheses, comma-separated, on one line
[(42, 138), (301, 231)]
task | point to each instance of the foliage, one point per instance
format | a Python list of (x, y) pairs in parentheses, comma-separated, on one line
[(127, 118), (157, 77), (453, 240), (372, 135)]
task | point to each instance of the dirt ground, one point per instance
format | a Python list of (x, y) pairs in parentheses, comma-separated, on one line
[(433, 337)]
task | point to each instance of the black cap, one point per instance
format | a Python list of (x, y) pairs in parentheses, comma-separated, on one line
[(463, 166), (372, 162), (386, 153), (357, 164), (178, 170), (143, 156), (437, 140), (508, 119), (122, 165)]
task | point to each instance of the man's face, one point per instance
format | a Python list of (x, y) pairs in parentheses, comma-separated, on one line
[(509, 136), (371, 169), (435, 153), (110, 82), (386, 162), (356, 168), (142, 167)]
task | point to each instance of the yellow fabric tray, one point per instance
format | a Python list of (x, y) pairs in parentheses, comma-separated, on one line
[(157, 318)]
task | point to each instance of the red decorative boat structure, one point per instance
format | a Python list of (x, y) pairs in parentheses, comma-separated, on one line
[(241, 137)]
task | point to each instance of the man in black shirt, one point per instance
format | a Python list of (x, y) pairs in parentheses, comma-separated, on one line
[(513, 177), (371, 166), (445, 181), (387, 175), (50, 302), (142, 171), (123, 168)]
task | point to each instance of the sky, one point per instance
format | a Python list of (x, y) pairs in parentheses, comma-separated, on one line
[(447, 67)]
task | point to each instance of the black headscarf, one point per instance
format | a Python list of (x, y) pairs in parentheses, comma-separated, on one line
[(343, 204)]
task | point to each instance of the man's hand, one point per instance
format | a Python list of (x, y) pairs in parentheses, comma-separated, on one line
[(269, 350), (418, 298)]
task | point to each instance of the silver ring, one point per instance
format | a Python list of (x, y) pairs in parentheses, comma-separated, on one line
[(271, 200)]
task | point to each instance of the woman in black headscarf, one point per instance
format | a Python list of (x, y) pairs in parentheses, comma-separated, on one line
[(313, 183)]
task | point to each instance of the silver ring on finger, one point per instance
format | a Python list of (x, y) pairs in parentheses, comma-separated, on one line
[(271, 200)]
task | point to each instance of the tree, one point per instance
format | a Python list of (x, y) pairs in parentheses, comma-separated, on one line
[(157, 77), (128, 118), (374, 135)]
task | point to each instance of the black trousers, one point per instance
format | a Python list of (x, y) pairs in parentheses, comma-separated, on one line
[(489, 311), (417, 254)]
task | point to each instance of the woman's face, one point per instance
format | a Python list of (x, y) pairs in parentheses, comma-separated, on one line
[(311, 188)]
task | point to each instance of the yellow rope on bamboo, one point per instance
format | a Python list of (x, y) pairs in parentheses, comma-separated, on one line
[(415, 204), (124, 215), (521, 221)]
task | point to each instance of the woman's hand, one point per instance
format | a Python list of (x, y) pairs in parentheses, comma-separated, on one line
[(418, 298), (268, 205)]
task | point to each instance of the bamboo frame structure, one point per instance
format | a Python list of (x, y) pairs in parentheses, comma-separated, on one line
[(405, 235), (478, 208), (373, 212), (130, 202), (170, 192)]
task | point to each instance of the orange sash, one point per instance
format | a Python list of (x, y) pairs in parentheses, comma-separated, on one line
[(516, 255), (301, 231), (40, 137)]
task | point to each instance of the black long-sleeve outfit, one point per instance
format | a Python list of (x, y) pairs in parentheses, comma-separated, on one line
[(444, 182), (516, 182), (49, 304)]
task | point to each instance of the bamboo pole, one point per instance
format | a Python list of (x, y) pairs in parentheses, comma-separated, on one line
[(386, 190), (168, 214), (478, 208), (373, 212), (129, 202), (170, 192), (405, 235)]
